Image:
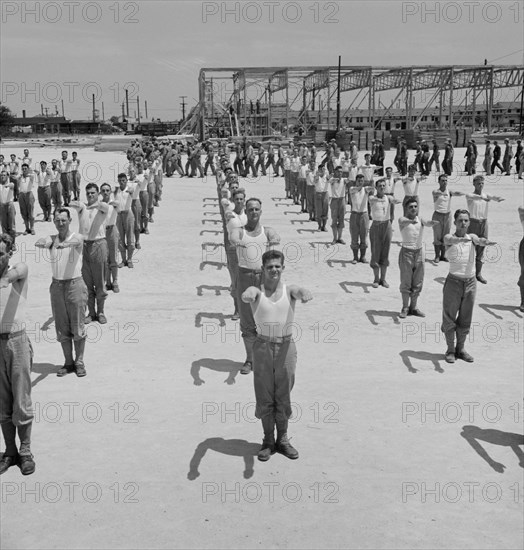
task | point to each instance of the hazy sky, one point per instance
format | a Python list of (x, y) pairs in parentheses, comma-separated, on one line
[(69, 50)]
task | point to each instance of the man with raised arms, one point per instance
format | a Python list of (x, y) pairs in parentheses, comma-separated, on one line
[(251, 241), (274, 352), (16, 354), (93, 219), (68, 292), (478, 223), (460, 286), (442, 214), (411, 257)]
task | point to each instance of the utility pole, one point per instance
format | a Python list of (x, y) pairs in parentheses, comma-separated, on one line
[(138, 107), (127, 103), (183, 103), (93, 96), (146, 107)]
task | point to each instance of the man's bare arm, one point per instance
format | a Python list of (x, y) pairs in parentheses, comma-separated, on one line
[(300, 293)]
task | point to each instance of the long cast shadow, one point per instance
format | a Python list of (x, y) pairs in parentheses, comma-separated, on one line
[(220, 316), (409, 354), (498, 307), (218, 265), (216, 288), (474, 434), (231, 447), (372, 313), (44, 370), (365, 286), (218, 365)]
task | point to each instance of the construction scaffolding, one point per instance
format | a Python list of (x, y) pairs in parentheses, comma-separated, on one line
[(273, 100)]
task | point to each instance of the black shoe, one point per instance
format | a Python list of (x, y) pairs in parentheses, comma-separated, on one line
[(283, 446), (90, 319), (247, 367), (66, 369), (80, 369), (267, 449), (6, 462), (450, 356), (26, 464), (464, 355)]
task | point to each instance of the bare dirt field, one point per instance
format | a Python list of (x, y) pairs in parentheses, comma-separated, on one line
[(156, 447)]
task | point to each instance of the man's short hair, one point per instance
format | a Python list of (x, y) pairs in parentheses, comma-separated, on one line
[(253, 199), (61, 210), (478, 178), (459, 212), (92, 186), (272, 255), (122, 175), (9, 242), (43, 162), (380, 180), (442, 176), (389, 168), (360, 177), (105, 184), (25, 164), (409, 200), (238, 191)]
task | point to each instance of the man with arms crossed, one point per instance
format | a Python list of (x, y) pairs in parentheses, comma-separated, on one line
[(460, 286), (16, 409), (251, 241), (274, 352)]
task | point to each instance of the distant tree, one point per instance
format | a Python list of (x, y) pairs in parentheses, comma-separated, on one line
[(114, 120), (6, 116)]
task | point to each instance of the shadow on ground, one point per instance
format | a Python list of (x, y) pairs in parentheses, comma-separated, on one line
[(218, 365), (231, 447)]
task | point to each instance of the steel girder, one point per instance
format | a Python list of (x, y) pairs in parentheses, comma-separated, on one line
[(278, 81), (316, 80), (358, 78)]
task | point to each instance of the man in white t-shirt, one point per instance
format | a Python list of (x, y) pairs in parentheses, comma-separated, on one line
[(68, 291), (460, 286)]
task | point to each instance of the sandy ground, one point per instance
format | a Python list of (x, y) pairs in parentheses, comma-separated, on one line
[(156, 447)]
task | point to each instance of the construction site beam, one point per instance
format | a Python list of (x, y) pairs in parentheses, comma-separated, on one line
[(278, 81), (360, 78)]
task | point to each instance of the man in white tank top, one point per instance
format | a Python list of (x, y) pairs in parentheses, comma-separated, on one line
[(460, 286), (93, 220), (274, 352), (16, 354), (68, 292), (112, 239), (251, 241), (478, 209), (411, 258), (442, 214)]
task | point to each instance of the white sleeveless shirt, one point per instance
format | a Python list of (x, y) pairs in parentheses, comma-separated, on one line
[(274, 319)]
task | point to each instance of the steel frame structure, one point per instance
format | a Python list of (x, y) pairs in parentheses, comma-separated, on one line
[(306, 82)]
